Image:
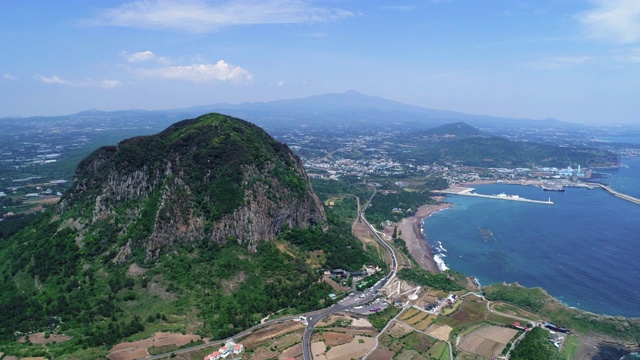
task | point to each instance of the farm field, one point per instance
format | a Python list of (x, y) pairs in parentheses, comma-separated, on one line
[(487, 341)]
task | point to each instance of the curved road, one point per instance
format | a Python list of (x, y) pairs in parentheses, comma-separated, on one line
[(369, 294), (315, 316)]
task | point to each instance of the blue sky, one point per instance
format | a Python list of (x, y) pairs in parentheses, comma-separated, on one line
[(575, 60)]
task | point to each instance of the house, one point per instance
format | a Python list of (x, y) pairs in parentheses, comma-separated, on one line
[(517, 325), (225, 351), (238, 348), (359, 274), (339, 273), (213, 356)]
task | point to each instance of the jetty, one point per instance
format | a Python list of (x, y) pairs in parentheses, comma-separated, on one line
[(503, 196), (620, 195)]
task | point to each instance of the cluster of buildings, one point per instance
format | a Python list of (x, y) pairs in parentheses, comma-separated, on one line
[(230, 347), (358, 274), (360, 167), (435, 306)]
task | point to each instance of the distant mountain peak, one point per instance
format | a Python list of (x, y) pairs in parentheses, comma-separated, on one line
[(458, 129)]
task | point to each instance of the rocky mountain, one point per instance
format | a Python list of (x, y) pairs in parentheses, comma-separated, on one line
[(214, 177), (210, 220)]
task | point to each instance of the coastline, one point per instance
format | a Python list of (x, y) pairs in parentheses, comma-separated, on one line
[(411, 232)]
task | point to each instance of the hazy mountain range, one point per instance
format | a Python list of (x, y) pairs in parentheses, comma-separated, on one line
[(349, 109)]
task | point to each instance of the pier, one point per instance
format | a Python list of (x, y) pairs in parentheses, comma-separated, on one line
[(620, 195), (469, 192)]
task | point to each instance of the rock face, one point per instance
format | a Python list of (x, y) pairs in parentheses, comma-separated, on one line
[(214, 178)]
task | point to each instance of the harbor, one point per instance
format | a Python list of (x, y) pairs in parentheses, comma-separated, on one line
[(464, 191)]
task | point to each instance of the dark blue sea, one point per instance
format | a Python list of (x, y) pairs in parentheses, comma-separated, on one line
[(584, 250)]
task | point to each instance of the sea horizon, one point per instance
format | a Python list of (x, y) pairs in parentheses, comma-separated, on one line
[(583, 250)]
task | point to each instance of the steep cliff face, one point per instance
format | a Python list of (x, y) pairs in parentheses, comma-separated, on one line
[(215, 177)]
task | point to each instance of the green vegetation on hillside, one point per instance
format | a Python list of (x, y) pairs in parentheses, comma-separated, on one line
[(85, 269), (350, 185), (341, 249), (530, 298), (394, 206), (439, 281), (535, 346), (230, 287), (474, 149)]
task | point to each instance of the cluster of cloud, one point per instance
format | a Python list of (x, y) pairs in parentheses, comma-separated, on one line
[(199, 73), (200, 16), (104, 84), (144, 56), (618, 20)]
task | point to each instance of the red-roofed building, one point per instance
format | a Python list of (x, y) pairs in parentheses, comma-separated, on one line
[(224, 351), (238, 348), (213, 356)]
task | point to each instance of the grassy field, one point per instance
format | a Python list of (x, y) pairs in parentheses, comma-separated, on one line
[(449, 310), (570, 347), (472, 312), (516, 311), (439, 351)]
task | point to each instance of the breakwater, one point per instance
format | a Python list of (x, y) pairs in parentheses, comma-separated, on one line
[(502, 196), (620, 195)]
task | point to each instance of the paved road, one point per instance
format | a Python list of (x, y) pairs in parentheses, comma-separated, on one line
[(369, 295), (315, 316)]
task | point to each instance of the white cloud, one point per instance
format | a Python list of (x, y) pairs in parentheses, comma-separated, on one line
[(141, 56), (200, 16), (9, 76), (618, 20), (557, 62), (104, 84), (200, 73), (144, 56), (51, 80), (280, 84)]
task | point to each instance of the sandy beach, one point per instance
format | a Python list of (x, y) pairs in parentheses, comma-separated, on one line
[(409, 229)]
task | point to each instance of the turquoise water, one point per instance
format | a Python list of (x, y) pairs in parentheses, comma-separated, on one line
[(583, 250)]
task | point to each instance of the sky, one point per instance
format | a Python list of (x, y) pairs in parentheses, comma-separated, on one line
[(574, 60)]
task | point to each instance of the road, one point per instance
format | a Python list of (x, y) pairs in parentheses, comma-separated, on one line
[(369, 295), (315, 316), (220, 342)]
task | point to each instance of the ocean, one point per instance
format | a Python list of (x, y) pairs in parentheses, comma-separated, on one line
[(584, 250)]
